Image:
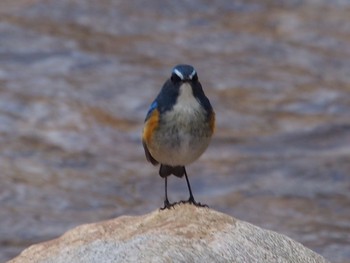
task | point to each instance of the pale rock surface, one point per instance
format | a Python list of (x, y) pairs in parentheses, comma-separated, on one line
[(183, 234)]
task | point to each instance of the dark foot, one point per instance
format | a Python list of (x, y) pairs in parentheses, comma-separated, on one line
[(193, 202), (167, 205)]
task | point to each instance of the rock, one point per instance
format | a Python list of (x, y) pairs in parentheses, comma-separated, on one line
[(183, 234)]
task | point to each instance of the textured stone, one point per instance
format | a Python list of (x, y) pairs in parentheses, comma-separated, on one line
[(183, 234)]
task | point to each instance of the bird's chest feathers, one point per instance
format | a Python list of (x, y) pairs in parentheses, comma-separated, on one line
[(183, 132)]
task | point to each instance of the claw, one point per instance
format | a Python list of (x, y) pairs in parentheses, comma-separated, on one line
[(167, 205), (193, 202)]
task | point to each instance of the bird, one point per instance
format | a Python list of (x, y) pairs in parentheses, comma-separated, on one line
[(178, 127)]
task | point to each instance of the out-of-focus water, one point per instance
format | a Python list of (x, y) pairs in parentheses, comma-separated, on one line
[(76, 80)]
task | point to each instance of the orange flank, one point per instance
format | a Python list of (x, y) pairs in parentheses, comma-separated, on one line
[(212, 122), (150, 125)]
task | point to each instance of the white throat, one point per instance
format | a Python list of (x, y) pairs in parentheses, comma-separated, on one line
[(186, 98)]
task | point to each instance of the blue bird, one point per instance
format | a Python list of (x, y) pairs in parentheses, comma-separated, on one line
[(178, 126)]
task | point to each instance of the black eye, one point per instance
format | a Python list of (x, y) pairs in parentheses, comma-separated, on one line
[(175, 78)]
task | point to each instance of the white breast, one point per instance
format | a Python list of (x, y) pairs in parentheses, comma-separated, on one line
[(185, 135)]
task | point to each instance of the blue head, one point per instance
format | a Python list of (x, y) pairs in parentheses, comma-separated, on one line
[(183, 80), (184, 72)]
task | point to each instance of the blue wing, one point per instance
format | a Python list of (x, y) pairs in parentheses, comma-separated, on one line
[(153, 106)]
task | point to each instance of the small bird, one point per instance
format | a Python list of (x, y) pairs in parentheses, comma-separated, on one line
[(178, 126)]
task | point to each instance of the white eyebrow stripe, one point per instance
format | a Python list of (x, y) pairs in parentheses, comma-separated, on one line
[(178, 73), (192, 74)]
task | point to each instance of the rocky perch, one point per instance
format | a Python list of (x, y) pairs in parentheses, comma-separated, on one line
[(183, 234)]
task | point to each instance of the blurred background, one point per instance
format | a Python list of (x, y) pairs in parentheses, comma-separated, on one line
[(76, 80)]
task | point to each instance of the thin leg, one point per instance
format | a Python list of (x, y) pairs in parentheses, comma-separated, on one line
[(166, 200), (167, 204), (191, 199)]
